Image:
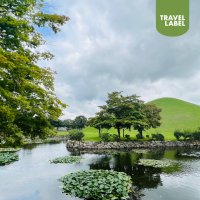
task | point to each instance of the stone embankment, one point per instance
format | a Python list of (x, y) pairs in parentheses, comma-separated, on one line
[(129, 145)]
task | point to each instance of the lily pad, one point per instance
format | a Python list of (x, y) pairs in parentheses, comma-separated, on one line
[(9, 150), (7, 158), (155, 163), (66, 159), (97, 184), (191, 155), (141, 151)]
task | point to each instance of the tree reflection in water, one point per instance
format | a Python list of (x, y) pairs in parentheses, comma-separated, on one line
[(142, 177)]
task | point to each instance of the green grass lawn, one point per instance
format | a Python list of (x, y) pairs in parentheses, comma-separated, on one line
[(176, 114), (91, 134)]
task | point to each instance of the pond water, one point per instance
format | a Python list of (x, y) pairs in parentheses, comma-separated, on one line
[(34, 178)]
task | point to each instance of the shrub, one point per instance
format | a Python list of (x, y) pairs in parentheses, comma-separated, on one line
[(178, 134), (105, 137), (97, 184), (7, 158), (196, 135), (116, 137), (66, 159), (187, 135), (158, 137), (128, 137), (139, 136), (76, 135)]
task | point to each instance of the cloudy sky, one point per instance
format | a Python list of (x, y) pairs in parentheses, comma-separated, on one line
[(113, 45)]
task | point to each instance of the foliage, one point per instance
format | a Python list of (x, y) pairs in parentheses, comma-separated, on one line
[(187, 135), (80, 122), (141, 151), (68, 124), (97, 184), (128, 137), (150, 118), (75, 135), (158, 137), (66, 159), (7, 158), (196, 135), (178, 134), (139, 136), (27, 98), (57, 123), (3, 150), (100, 121), (105, 137), (155, 163), (124, 112), (116, 137), (190, 155)]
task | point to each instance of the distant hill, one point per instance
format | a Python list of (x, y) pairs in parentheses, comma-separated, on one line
[(177, 114)]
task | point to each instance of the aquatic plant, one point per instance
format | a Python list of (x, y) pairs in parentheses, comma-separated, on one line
[(190, 155), (155, 163), (66, 159), (141, 151), (7, 158), (97, 184), (9, 149)]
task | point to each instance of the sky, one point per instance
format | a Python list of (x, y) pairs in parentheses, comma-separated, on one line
[(113, 45)]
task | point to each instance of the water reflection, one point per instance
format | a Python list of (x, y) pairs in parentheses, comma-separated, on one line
[(34, 178), (143, 177)]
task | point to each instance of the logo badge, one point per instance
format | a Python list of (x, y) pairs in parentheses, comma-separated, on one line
[(172, 17)]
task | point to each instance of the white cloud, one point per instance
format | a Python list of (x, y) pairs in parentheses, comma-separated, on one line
[(113, 45)]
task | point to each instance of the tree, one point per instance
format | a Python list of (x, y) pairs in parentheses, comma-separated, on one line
[(100, 121), (149, 118), (124, 112), (80, 122), (27, 94), (57, 123), (68, 123), (152, 113), (124, 109), (119, 112)]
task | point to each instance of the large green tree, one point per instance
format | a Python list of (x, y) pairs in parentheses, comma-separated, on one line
[(149, 118), (123, 112), (79, 122), (102, 120), (124, 109), (27, 98)]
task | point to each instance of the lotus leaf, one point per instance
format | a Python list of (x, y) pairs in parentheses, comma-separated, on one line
[(97, 184), (7, 158), (66, 159)]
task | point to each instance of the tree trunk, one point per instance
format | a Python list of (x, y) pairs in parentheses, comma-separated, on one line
[(140, 132), (99, 132), (118, 130)]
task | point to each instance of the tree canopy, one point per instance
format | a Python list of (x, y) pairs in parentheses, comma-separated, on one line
[(124, 112), (27, 97), (79, 122)]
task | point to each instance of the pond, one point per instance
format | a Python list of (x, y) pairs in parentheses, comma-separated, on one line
[(34, 178)]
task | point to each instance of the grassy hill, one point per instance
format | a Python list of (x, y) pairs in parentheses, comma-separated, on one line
[(176, 114)]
